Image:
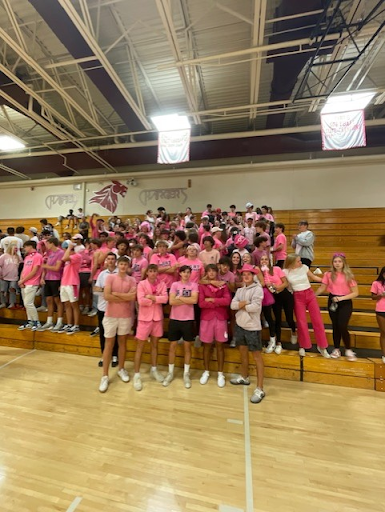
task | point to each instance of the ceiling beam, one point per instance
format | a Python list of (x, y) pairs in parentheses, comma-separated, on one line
[(258, 36)]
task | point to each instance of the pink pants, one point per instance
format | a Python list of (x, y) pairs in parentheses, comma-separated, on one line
[(306, 300)]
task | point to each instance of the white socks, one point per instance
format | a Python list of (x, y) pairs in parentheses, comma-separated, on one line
[(171, 368), (136, 375), (49, 319), (186, 368), (153, 368)]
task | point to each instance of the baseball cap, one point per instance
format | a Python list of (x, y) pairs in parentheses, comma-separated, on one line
[(249, 205), (34, 230), (216, 229), (77, 237)]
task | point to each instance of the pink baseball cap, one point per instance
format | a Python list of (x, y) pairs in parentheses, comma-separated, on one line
[(77, 237)]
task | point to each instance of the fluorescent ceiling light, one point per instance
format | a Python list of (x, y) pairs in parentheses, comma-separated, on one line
[(347, 102), (8, 143), (171, 122)]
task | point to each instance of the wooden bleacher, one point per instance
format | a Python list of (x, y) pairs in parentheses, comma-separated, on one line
[(357, 232)]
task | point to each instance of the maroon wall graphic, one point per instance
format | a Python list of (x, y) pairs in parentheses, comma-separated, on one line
[(108, 197)]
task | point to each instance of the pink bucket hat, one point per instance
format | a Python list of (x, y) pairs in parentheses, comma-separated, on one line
[(240, 241)]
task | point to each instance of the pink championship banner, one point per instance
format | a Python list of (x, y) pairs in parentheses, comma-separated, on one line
[(343, 130), (174, 147)]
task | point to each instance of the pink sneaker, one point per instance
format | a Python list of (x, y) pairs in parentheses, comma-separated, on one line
[(336, 354)]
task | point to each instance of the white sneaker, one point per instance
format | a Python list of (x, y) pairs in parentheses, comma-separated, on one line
[(74, 329), (103, 384), (257, 396), (302, 352), (221, 381), (26, 325), (85, 311), (233, 343), (137, 383), (57, 327), (350, 355), (187, 380), (383, 359), (169, 378), (64, 328), (35, 326), (265, 324), (294, 339), (278, 349), (156, 375), (205, 377), (42, 309), (124, 375), (93, 312), (3, 306), (46, 327), (336, 354), (324, 353), (271, 346)]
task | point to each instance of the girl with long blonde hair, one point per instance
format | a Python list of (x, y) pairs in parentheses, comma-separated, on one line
[(342, 288)]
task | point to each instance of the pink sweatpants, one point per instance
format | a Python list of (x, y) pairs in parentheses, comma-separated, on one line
[(306, 300)]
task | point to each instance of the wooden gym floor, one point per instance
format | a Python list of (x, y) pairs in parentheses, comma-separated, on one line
[(65, 447)]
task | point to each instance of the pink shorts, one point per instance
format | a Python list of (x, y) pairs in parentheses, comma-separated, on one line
[(146, 329), (213, 330)]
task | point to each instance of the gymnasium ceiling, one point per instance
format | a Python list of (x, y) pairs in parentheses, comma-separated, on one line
[(80, 79)]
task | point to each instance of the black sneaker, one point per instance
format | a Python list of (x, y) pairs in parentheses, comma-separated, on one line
[(114, 362), (100, 363), (95, 332)]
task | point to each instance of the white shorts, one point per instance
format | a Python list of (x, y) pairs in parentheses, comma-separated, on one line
[(116, 326), (69, 293)]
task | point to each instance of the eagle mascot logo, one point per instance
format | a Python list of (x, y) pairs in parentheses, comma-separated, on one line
[(108, 197)]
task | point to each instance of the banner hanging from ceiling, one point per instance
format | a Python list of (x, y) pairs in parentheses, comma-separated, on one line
[(343, 130), (174, 147)]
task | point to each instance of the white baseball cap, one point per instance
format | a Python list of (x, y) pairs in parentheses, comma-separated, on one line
[(249, 205), (34, 230)]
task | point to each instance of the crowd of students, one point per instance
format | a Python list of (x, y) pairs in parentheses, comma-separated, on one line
[(224, 277)]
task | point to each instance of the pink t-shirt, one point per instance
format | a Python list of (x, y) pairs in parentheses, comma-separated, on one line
[(378, 289), (280, 255), (229, 277), (138, 264), (9, 267), (185, 312), (276, 278), (120, 285), (249, 233), (86, 265), (164, 261), (30, 262), (147, 251), (196, 265), (71, 270), (52, 258), (209, 257), (252, 215), (339, 286)]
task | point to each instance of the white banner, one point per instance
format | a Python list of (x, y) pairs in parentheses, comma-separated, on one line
[(343, 130), (174, 147)]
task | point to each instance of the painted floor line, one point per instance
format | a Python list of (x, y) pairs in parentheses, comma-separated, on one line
[(74, 505), (227, 508), (248, 466), (16, 358), (236, 422)]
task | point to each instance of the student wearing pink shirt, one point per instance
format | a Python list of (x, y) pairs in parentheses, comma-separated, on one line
[(97, 226), (50, 279), (191, 259), (216, 233), (280, 245), (260, 249), (250, 213), (214, 302), (209, 255), (232, 212), (69, 289), (165, 262), (119, 292), (85, 274), (139, 264), (378, 294), (266, 213), (9, 275), (249, 232), (152, 293), (183, 296), (276, 282), (146, 243), (177, 246), (29, 283), (342, 288)]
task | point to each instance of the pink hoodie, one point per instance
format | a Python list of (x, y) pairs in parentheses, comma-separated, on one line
[(149, 310), (218, 309)]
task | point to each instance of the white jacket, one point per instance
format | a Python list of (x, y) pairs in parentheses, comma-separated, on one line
[(249, 317)]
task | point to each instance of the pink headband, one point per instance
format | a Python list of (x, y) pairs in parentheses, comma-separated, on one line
[(339, 255)]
